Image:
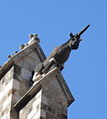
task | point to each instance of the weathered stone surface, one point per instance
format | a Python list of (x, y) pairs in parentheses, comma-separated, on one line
[(50, 102), (17, 69), (32, 109), (25, 74), (13, 86), (34, 47), (48, 98)]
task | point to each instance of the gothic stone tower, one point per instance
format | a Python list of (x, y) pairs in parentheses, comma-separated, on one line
[(20, 98)]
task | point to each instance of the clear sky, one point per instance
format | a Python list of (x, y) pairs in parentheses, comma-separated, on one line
[(86, 70)]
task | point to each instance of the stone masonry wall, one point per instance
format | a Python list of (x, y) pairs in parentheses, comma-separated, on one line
[(33, 109), (49, 103), (23, 74), (54, 101), (16, 83), (6, 91)]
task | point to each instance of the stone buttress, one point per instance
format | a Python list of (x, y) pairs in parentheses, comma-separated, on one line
[(20, 98)]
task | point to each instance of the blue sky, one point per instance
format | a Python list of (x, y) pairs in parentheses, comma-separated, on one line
[(53, 20)]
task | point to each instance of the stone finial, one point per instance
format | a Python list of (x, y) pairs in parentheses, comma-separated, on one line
[(22, 46), (33, 38), (9, 56), (15, 52)]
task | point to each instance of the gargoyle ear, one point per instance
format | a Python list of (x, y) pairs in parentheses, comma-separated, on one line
[(36, 34), (71, 35)]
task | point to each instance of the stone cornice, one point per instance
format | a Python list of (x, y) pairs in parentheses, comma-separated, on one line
[(22, 53)]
